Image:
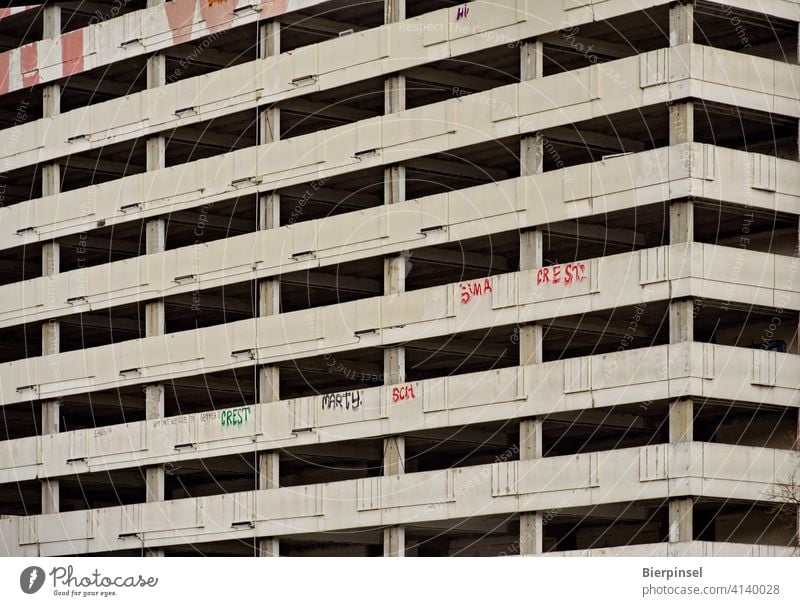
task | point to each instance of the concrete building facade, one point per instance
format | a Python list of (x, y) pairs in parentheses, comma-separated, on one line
[(399, 277)]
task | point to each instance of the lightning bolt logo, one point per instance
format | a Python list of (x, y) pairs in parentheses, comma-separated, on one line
[(31, 579)]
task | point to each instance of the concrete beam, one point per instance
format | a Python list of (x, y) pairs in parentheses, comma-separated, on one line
[(338, 111), (456, 80), (588, 46), (463, 170), (593, 139)]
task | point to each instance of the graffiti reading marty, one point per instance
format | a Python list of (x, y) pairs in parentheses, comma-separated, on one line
[(66, 582)]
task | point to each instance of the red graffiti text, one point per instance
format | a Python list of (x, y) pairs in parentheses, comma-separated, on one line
[(562, 274), (475, 289)]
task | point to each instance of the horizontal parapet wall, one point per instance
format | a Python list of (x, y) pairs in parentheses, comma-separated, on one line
[(134, 34), (725, 77), (602, 283), (694, 370), (160, 27), (693, 549), (650, 472), (510, 110), (381, 231), (615, 184)]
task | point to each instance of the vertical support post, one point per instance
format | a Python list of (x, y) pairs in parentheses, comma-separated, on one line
[(681, 420), (531, 158), (531, 524), (681, 23), (681, 312), (155, 318), (394, 269), (394, 455), (531, 163), (269, 289), (51, 260), (680, 519)]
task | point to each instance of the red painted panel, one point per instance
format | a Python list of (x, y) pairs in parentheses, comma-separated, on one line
[(5, 59), (218, 14), (72, 52), (29, 64), (273, 8), (180, 15)]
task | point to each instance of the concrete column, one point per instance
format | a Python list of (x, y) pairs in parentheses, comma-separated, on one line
[(531, 335), (680, 519), (394, 454), (51, 260), (155, 326), (269, 289), (51, 344), (155, 318), (681, 312), (394, 11), (51, 423), (268, 375), (681, 421), (681, 115), (681, 321), (681, 222), (395, 269), (531, 256), (531, 156), (269, 45), (531, 528), (681, 23), (268, 461)]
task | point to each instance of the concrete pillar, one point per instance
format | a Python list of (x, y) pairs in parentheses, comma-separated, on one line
[(51, 423), (395, 268), (681, 115), (269, 289), (681, 222), (681, 23), (154, 326), (51, 260), (155, 318), (51, 344), (680, 519), (681, 421), (531, 527), (394, 455), (531, 156), (268, 461), (681, 321), (681, 312), (394, 11), (531, 256), (269, 45)]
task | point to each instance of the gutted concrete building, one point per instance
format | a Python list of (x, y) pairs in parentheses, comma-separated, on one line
[(399, 277)]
